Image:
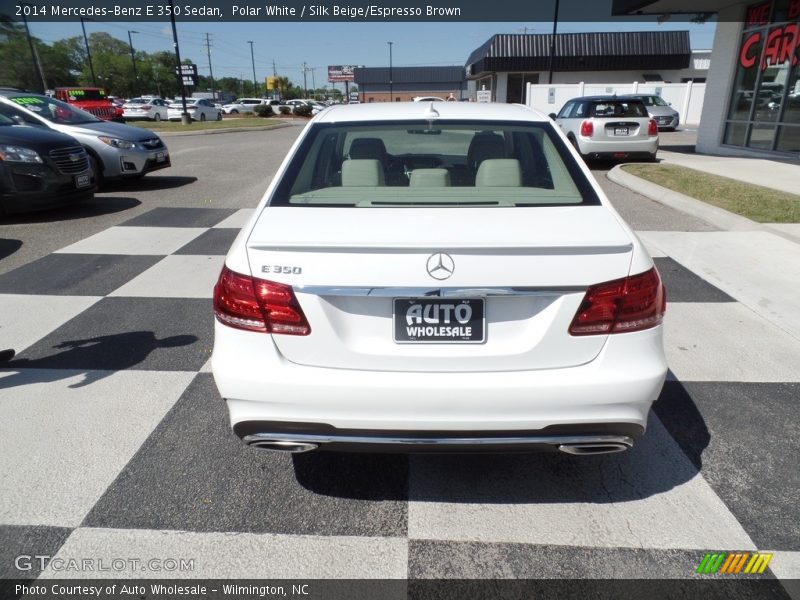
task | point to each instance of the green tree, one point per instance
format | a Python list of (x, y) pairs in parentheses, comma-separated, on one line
[(19, 68)]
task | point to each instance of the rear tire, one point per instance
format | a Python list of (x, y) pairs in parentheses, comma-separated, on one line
[(157, 118), (234, 112), (219, 116)]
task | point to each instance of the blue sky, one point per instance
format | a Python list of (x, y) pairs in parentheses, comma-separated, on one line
[(323, 44)]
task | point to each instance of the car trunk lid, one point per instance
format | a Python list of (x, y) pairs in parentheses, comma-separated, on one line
[(347, 266)]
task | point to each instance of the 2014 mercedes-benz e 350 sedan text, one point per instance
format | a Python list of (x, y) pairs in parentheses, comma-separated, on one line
[(448, 276)]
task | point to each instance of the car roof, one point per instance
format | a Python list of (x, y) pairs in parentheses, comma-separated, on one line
[(605, 98), (408, 111)]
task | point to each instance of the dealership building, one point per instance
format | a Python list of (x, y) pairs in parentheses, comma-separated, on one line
[(752, 100)]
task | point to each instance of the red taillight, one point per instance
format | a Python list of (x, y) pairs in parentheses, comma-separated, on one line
[(252, 304), (631, 304), (587, 129), (652, 127)]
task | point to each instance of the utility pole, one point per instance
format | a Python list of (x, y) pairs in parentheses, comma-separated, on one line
[(88, 52), (133, 60), (313, 83), (553, 43), (390, 71), (213, 86), (253, 60), (185, 118), (305, 81), (34, 55)]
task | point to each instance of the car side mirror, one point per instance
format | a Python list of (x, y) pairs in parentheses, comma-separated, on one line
[(552, 116), (18, 120)]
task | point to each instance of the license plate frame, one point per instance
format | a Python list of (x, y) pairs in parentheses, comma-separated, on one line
[(161, 157), (435, 332), (621, 131), (83, 180)]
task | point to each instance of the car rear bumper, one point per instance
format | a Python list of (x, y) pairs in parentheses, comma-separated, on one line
[(613, 148), (263, 388)]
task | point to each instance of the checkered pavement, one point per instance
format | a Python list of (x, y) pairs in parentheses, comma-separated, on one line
[(114, 442)]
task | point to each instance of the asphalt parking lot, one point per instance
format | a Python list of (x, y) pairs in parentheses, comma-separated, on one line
[(114, 441)]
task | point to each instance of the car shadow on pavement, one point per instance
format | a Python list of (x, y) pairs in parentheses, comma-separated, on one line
[(148, 183), (8, 247), (667, 456), (84, 210), (96, 357)]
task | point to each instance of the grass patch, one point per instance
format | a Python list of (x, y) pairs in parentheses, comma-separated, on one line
[(755, 202), (198, 126)]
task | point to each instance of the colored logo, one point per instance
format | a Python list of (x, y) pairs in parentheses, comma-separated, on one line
[(734, 563)]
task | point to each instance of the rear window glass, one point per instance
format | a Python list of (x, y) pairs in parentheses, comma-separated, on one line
[(433, 164), (618, 108)]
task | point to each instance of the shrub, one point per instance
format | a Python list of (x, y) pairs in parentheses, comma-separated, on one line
[(285, 110), (304, 110), (263, 110)]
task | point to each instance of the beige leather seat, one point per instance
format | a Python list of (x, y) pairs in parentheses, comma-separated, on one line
[(499, 172), (362, 173)]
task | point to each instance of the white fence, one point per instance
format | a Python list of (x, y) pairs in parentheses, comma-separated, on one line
[(686, 98)]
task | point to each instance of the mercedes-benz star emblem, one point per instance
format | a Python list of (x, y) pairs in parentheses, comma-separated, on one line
[(440, 266)]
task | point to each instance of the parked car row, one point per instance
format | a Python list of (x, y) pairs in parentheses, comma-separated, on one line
[(248, 105), (54, 153)]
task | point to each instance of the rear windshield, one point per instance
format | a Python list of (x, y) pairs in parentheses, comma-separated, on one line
[(654, 101), (618, 108), (441, 163)]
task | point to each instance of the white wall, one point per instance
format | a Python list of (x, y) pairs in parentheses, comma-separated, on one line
[(686, 98)]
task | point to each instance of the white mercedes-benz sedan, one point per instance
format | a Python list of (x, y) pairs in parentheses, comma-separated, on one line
[(437, 276)]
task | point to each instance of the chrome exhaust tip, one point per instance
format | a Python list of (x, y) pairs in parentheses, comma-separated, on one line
[(284, 446), (598, 448)]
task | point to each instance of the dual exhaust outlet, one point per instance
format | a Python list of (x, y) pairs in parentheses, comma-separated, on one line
[(298, 444)]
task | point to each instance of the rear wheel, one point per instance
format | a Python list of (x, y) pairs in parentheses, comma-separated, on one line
[(157, 118), (219, 116), (574, 143), (234, 112)]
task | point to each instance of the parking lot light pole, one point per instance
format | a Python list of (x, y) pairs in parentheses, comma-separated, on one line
[(391, 99), (253, 60)]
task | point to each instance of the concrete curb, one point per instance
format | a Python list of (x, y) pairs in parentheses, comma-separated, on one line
[(713, 215), (222, 130)]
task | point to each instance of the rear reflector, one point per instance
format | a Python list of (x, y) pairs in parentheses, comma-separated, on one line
[(252, 304), (631, 304)]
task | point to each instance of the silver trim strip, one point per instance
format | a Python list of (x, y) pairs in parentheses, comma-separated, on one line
[(286, 246), (443, 292), (553, 440)]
